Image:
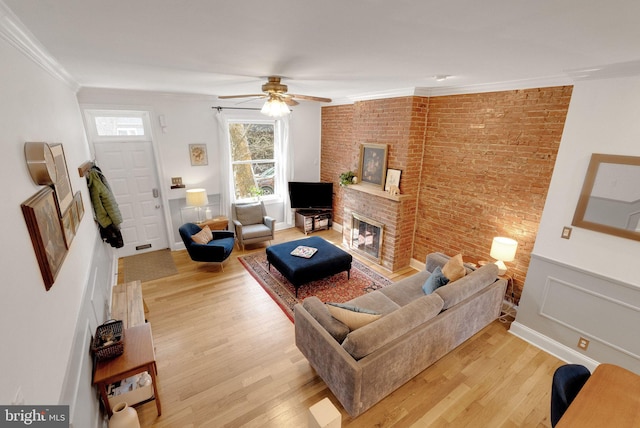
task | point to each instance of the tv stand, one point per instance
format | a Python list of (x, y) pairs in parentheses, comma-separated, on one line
[(311, 220)]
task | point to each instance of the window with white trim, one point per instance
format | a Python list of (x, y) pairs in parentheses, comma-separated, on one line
[(254, 160), (117, 125)]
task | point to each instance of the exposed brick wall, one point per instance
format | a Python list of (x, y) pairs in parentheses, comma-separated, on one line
[(486, 170), (479, 166), (338, 151)]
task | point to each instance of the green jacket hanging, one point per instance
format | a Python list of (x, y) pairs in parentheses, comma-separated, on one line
[(104, 202)]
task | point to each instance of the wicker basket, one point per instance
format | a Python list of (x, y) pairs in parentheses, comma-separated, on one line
[(109, 340)]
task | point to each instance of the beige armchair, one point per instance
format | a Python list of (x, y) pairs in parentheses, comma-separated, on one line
[(252, 224)]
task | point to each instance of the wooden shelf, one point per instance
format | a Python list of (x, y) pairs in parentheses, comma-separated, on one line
[(376, 191)]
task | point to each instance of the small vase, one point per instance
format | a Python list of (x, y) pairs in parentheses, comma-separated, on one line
[(124, 417)]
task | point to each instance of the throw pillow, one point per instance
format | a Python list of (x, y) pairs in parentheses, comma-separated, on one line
[(454, 269), (352, 316), (435, 280), (203, 237)]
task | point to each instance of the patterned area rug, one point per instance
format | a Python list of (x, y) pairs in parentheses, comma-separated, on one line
[(335, 288), (148, 266)]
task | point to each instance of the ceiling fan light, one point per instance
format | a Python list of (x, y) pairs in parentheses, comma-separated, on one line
[(275, 107)]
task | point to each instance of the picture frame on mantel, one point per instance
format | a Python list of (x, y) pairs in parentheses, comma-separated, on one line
[(393, 179), (373, 164), (47, 236)]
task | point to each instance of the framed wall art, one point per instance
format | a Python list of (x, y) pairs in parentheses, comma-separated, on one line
[(68, 226), (62, 185), (198, 154), (373, 164), (78, 212), (45, 228), (393, 179)]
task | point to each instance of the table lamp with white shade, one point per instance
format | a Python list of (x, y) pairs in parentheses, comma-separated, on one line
[(197, 198), (503, 250)]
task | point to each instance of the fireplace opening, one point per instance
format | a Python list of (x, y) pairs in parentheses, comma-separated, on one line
[(366, 236)]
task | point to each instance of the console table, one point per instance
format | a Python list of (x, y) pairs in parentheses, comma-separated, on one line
[(217, 223), (138, 357), (610, 398)]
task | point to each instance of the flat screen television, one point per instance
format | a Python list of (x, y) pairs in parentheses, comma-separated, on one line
[(311, 195)]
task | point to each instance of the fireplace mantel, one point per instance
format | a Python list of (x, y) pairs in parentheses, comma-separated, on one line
[(376, 191), (395, 212)]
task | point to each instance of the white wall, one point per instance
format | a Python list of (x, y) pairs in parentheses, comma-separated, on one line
[(603, 117), (191, 119), (38, 327)]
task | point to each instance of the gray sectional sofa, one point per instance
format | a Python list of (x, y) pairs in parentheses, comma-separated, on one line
[(363, 366)]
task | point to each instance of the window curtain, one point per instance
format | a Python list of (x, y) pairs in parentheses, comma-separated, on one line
[(286, 160), (227, 192)]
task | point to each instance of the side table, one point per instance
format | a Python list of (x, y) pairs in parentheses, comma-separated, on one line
[(138, 357), (217, 223)]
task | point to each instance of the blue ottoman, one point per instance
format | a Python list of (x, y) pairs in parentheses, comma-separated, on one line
[(327, 261)]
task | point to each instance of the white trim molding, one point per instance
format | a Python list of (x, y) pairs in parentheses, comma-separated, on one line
[(19, 36), (552, 347)]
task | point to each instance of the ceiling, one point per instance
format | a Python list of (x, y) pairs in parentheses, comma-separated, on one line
[(344, 50)]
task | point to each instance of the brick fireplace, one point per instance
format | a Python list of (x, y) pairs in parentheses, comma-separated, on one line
[(393, 212), (367, 236)]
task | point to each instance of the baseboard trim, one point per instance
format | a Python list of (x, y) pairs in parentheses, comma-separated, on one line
[(550, 346)]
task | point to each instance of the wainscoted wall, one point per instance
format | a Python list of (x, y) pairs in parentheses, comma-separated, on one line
[(594, 298), (475, 165), (77, 390), (605, 265)]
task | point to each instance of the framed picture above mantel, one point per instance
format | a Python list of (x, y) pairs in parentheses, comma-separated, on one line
[(373, 164)]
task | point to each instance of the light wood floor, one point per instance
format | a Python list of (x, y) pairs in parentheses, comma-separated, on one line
[(226, 358)]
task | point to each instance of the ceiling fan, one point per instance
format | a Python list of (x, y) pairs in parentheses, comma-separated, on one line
[(277, 97)]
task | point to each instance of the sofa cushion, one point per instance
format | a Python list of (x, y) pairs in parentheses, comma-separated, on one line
[(365, 340), (352, 316), (375, 301), (435, 280), (438, 259), (203, 237), (337, 329), (406, 290), (455, 292), (454, 269)]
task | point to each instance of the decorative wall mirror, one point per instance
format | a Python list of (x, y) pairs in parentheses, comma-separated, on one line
[(610, 197)]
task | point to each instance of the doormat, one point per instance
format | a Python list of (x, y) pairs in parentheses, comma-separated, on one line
[(335, 288), (148, 266)]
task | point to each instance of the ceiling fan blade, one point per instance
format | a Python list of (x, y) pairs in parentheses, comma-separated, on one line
[(226, 97), (310, 98), (290, 101)]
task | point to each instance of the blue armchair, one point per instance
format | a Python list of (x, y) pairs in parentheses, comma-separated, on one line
[(567, 381), (217, 250)]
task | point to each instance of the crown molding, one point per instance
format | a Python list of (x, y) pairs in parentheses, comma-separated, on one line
[(545, 82), (93, 91), (561, 80), (392, 93), (19, 36)]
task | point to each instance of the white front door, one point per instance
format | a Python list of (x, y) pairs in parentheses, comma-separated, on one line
[(130, 169)]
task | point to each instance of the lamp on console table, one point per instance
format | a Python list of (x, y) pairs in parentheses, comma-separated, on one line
[(197, 198), (503, 250)]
